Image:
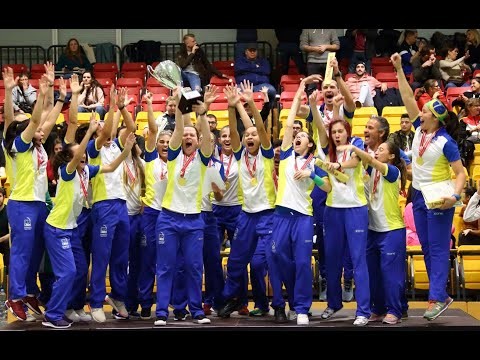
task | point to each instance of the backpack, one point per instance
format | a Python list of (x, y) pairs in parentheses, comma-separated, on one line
[(467, 150), (391, 97)]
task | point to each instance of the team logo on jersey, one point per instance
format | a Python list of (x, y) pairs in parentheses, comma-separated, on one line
[(161, 238), (65, 243), (274, 248), (27, 224), (104, 231), (235, 234), (143, 241)]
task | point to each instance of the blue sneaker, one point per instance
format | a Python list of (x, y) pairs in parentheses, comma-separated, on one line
[(56, 324)]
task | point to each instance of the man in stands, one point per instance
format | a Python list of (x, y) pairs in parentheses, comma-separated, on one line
[(404, 137), (362, 86)]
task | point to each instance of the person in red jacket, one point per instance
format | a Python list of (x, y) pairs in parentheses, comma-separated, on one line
[(430, 90)]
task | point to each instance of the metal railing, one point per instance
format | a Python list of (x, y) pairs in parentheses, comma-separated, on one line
[(54, 52), (27, 55)]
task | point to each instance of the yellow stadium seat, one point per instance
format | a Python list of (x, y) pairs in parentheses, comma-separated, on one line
[(60, 119), (360, 121), (222, 117), (84, 118), (282, 118), (358, 131), (468, 257), (417, 271), (393, 114), (476, 175), (477, 150), (365, 112), (458, 224)]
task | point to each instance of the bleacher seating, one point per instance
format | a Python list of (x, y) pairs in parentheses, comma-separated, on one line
[(468, 257)]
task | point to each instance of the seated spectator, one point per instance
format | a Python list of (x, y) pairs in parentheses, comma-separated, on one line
[(453, 69), (425, 67), (91, 97), (408, 49), (430, 90), (73, 59), (24, 95), (475, 93), (196, 69), (252, 68), (362, 86), (470, 234), (403, 138), (473, 49), (470, 120)]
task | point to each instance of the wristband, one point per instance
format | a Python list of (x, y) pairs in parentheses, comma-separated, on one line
[(202, 113), (50, 85), (457, 197), (318, 181), (121, 108), (338, 74), (339, 166), (61, 100)]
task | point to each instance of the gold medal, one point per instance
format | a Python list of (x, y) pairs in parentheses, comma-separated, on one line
[(227, 185), (253, 181), (419, 160), (182, 181)]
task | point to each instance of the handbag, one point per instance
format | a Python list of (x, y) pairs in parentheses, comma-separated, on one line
[(25, 107)]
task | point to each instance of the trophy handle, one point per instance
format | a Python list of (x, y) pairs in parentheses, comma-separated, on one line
[(150, 71)]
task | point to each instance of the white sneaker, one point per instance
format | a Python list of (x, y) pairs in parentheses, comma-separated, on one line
[(202, 320), (160, 322), (302, 319), (360, 321), (72, 315), (292, 315), (98, 315), (119, 306), (30, 317), (83, 315)]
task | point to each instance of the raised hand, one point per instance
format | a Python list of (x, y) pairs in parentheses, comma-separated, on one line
[(210, 94), (313, 98), (9, 81), (50, 71), (315, 78), (93, 123), (43, 84), (396, 61), (121, 97), (344, 147), (231, 92), (338, 100), (75, 85), (247, 90), (63, 88), (148, 97), (301, 174), (131, 141)]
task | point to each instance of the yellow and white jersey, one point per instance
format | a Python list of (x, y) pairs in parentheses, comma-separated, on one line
[(295, 194), (384, 213), (232, 195), (256, 179), (30, 164), (70, 197), (106, 186), (155, 180), (132, 186), (434, 164), (207, 199), (184, 193), (351, 194), (10, 166)]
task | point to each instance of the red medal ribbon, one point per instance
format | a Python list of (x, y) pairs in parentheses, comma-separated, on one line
[(254, 167), (275, 179), (130, 174), (82, 185), (162, 174), (186, 161), (40, 158), (309, 159), (229, 164), (375, 181), (425, 142)]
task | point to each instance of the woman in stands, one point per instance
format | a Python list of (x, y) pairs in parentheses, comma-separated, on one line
[(91, 97), (433, 153), (345, 202), (73, 59), (386, 251), (430, 90), (453, 69), (24, 95), (180, 224), (473, 48), (470, 120)]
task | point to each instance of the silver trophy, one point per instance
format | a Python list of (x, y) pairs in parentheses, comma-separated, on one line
[(169, 75)]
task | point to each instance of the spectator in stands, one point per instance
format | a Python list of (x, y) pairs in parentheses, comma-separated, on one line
[(403, 138), (244, 38), (73, 59), (475, 93), (470, 234), (289, 48), (167, 120), (318, 43), (250, 67), (91, 97), (24, 95), (297, 127), (430, 90), (453, 69), (363, 46), (425, 67), (408, 48), (473, 49), (196, 69), (362, 86), (470, 120), (212, 123)]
